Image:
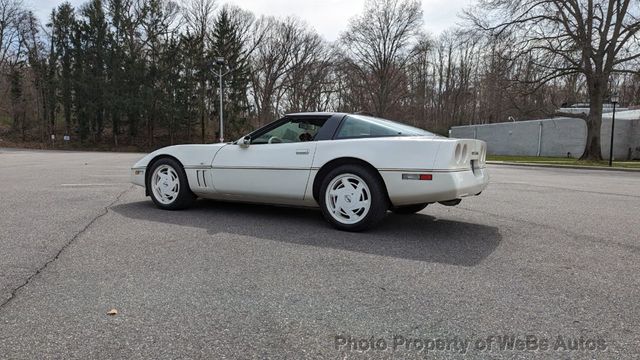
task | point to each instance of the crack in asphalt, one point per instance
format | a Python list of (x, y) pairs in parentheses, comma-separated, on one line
[(104, 212)]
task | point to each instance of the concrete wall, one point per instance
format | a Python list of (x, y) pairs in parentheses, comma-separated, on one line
[(626, 135), (606, 109), (556, 137)]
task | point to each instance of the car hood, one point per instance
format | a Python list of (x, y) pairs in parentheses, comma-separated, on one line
[(188, 155)]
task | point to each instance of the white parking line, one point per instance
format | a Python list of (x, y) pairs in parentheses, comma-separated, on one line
[(109, 175), (80, 185)]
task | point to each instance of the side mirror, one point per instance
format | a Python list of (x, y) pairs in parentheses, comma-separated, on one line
[(245, 142)]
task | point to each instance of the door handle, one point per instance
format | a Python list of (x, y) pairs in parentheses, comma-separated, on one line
[(302, 152)]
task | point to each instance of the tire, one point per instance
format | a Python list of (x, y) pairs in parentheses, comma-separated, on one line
[(352, 198), (174, 193), (408, 209)]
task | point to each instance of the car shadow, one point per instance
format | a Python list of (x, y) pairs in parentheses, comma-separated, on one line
[(415, 237)]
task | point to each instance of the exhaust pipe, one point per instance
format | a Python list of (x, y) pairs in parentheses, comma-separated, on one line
[(453, 202)]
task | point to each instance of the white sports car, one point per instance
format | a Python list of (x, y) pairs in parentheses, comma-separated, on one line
[(354, 167)]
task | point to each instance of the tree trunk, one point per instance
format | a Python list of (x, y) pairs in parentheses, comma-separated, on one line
[(115, 128), (202, 129), (594, 123), (203, 109), (171, 129), (24, 126)]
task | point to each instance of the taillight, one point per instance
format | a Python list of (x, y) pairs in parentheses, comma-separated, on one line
[(417, 177)]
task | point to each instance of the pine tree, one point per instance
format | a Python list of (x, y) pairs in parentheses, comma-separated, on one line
[(229, 44), (94, 50), (63, 33), (114, 69)]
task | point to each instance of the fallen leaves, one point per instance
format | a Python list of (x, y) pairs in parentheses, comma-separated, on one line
[(112, 312)]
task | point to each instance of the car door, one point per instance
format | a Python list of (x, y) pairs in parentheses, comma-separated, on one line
[(275, 166)]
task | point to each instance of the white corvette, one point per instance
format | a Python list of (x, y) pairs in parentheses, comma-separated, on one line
[(354, 167)]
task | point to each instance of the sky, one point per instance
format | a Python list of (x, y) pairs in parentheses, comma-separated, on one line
[(328, 17)]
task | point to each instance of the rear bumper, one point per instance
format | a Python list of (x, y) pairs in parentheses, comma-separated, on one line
[(445, 185)]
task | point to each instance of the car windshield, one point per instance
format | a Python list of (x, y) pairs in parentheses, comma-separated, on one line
[(355, 126)]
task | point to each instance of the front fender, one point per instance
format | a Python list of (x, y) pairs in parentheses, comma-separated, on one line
[(196, 155), (187, 155)]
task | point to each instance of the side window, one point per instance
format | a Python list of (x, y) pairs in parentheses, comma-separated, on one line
[(355, 128), (292, 131)]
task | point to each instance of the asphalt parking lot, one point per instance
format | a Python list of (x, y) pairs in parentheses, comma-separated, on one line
[(541, 254)]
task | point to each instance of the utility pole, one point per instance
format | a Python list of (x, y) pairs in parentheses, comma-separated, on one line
[(614, 100), (220, 61)]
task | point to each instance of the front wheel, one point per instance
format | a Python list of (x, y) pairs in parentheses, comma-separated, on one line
[(168, 185), (352, 198), (408, 209)]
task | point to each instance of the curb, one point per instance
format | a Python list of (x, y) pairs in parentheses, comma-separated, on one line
[(581, 167)]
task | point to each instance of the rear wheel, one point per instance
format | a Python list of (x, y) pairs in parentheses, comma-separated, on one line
[(408, 209), (352, 198), (168, 185)]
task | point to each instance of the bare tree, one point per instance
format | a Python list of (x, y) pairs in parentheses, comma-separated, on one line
[(10, 14), (285, 47), (35, 54), (593, 38), (199, 16), (377, 43), (306, 82), (10, 47)]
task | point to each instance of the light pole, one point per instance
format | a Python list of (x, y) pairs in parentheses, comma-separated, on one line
[(221, 63), (614, 100)]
